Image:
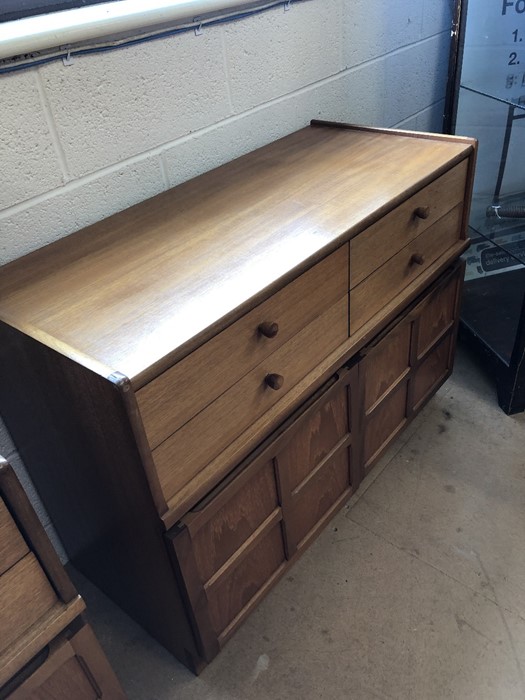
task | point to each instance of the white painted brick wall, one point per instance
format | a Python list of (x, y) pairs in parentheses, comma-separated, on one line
[(79, 143)]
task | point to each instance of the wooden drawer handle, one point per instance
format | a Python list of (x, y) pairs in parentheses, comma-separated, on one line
[(422, 212), (268, 329), (417, 259), (274, 381)]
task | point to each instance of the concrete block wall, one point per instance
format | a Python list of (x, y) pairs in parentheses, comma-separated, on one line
[(81, 142)]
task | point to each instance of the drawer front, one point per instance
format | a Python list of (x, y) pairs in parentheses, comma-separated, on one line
[(372, 248), (183, 455), (12, 545), (368, 298), (25, 596), (177, 395), (74, 669)]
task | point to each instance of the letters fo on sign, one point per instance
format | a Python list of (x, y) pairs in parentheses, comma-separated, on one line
[(511, 5)]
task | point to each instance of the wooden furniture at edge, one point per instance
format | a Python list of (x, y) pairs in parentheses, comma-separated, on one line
[(47, 650), (213, 371)]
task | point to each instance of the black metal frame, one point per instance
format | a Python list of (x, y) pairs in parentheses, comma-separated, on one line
[(509, 376)]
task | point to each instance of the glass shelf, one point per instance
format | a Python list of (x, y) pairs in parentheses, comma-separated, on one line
[(493, 307)]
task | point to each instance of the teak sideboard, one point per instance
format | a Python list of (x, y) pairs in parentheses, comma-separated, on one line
[(211, 373)]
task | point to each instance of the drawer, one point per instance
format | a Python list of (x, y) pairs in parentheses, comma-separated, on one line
[(372, 248), (368, 298), (183, 455), (74, 669), (181, 392), (26, 595), (12, 545)]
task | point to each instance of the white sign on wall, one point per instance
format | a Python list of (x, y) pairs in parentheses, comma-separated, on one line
[(494, 56)]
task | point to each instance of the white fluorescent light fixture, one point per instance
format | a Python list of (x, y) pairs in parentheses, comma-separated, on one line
[(82, 24)]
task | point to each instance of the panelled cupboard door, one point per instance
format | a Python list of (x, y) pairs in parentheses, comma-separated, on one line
[(317, 461), (406, 364), (75, 669), (235, 544)]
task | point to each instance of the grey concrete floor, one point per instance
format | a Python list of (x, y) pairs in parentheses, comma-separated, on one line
[(415, 591)]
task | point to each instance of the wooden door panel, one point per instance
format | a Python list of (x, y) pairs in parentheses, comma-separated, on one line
[(318, 496), (437, 317), (315, 436), (387, 363), (227, 529), (233, 592), (432, 371), (384, 424)]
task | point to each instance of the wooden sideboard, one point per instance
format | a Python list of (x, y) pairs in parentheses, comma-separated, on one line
[(211, 373), (47, 650)]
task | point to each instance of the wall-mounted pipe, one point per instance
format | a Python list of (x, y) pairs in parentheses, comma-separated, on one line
[(86, 23)]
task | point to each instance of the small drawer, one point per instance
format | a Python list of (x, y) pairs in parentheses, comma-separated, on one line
[(26, 595), (181, 392), (181, 457), (373, 247), (368, 298), (12, 545)]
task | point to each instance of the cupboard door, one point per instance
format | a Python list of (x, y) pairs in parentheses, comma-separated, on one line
[(383, 376), (76, 669), (228, 550), (233, 546), (317, 462), (406, 365)]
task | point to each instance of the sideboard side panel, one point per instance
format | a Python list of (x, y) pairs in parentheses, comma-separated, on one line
[(72, 429)]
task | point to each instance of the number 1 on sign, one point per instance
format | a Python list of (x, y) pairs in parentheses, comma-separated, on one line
[(515, 34)]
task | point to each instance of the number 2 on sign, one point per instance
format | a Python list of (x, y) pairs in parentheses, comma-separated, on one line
[(513, 59)]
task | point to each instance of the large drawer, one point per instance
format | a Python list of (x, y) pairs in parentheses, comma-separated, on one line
[(187, 452), (374, 246), (368, 298), (181, 392)]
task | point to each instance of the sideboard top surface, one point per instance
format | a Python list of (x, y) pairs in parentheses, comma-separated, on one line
[(142, 288)]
